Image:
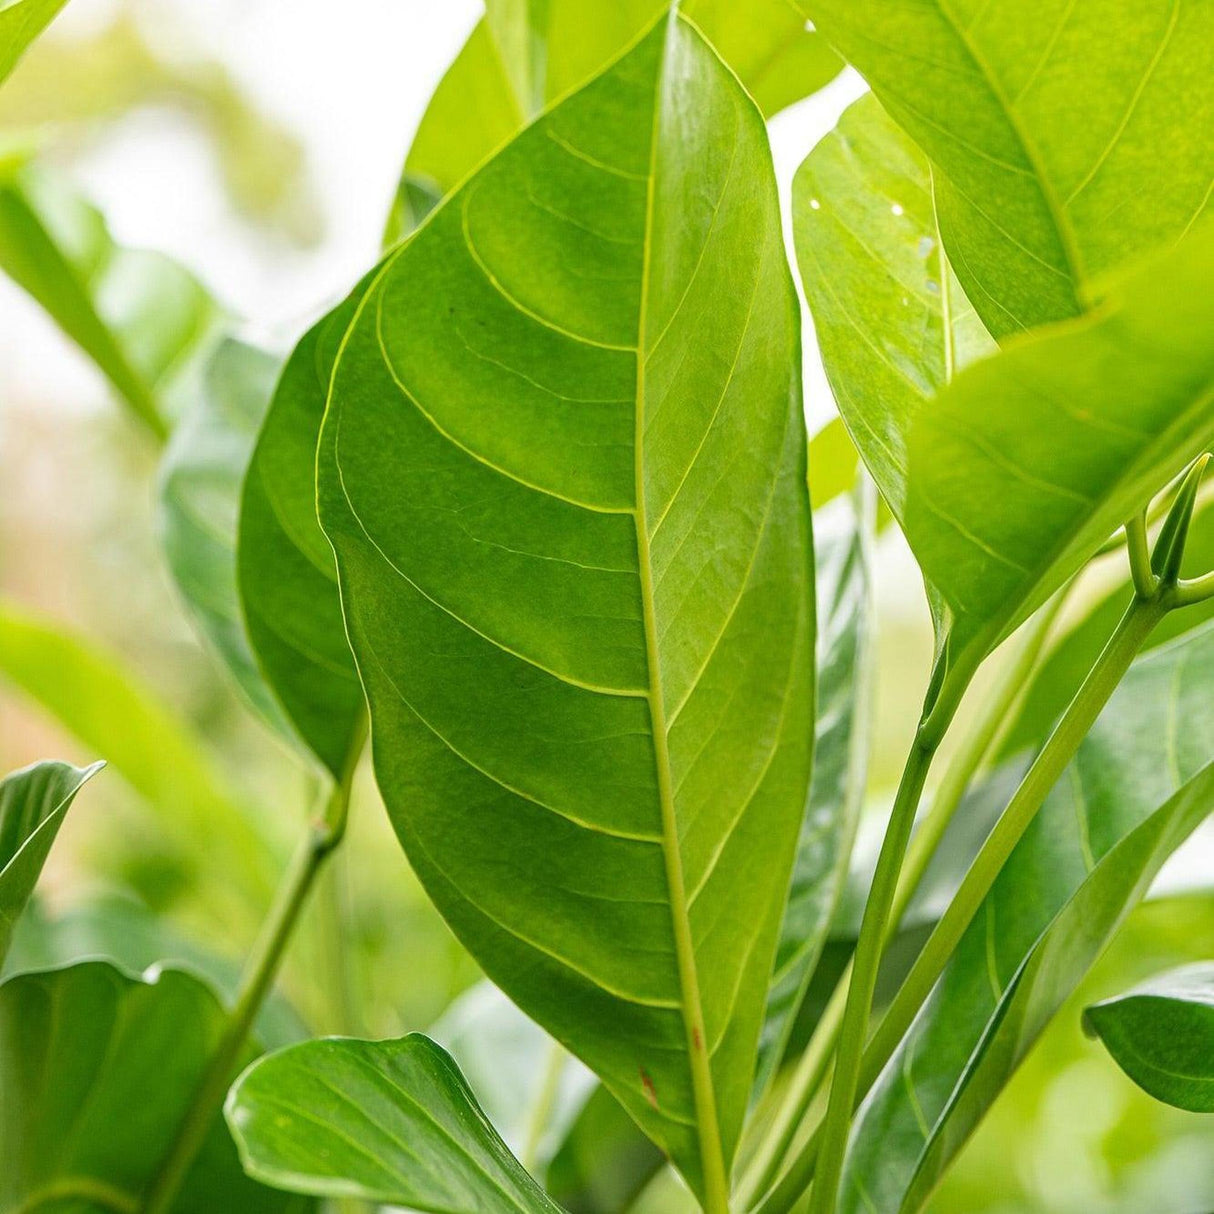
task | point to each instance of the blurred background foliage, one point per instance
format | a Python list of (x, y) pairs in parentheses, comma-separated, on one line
[(258, 142)]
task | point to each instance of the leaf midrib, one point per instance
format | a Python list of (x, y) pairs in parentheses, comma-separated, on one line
[(712, 1160)]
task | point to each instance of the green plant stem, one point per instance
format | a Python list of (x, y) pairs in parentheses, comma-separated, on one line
[(873, 929), (1194, 590), (260, 971), (543, 1106), (1102, 680), (1140, 556), (812, 1067)]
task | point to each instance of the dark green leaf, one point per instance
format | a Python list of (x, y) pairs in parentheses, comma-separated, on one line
[(286, 577), (200, 482), (33, 804), (1049, 121), (1140, 783), (385, 1121), (138, 315), (842, 538), (97, 1069), (21, 21), (1030, 460), (563, 469), (1162, 1035)]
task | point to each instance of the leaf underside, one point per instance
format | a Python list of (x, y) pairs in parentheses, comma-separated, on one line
[(569, 508)]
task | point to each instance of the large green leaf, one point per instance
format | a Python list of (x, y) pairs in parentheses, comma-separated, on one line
[(33, 804), (21, 21), (1049, 121), (1140, 783), (97, 1069), (842, 537), (112, 713), (200, 483), (385, 1121), (138, 315), (563, 470), (1029, 460), (1162, 1035), (891, 321), (286, 577), (525, 54)]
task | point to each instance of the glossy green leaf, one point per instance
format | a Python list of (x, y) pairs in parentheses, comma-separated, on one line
[(842, 539), (563, 470), (1031, 459), (97, 1068), (138, 315), (21, 21), (200, 487), (1063, 668), (525, 54), (286, 578), (891, 322), (112, 713), (384, 1121), (1162, 1035), (33, 804), (1140, 783), (1049, 122)]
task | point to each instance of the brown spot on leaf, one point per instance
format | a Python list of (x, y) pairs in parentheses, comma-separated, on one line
[(651, 1093)]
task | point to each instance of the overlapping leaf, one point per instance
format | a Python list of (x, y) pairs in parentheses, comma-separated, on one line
[(385, 1121), (1025, 465), (1049, 121), (33, 804), (525, 54), (563, 469), (97, 1069), (200, 481), (1139, 785), (140, 316), (286, 578), (842, 536), (1162, 1035)]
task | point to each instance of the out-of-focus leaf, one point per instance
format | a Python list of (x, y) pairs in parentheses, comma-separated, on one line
[(563, 469), (506, 1058), (1049, 121), (286, 578), (1139, 785), (200, 486), (21, 21), (842, 538), (1030, 460), (33, 804), (1162, 1035), (1064, 667), (140, 316), (111, 713), (891, 321), (385, 1121), (117, 928), (97, 1069), (524, 55), (833, 463)]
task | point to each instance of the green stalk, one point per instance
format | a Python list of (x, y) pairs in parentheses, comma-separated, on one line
[(815, 1060), (1101, 682), (873, 930), (544, 1105), (260, 972)]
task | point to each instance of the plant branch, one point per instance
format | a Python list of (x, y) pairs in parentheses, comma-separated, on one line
[(1140, 556), (1101, 682), (323, 837), (544, 1105)]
